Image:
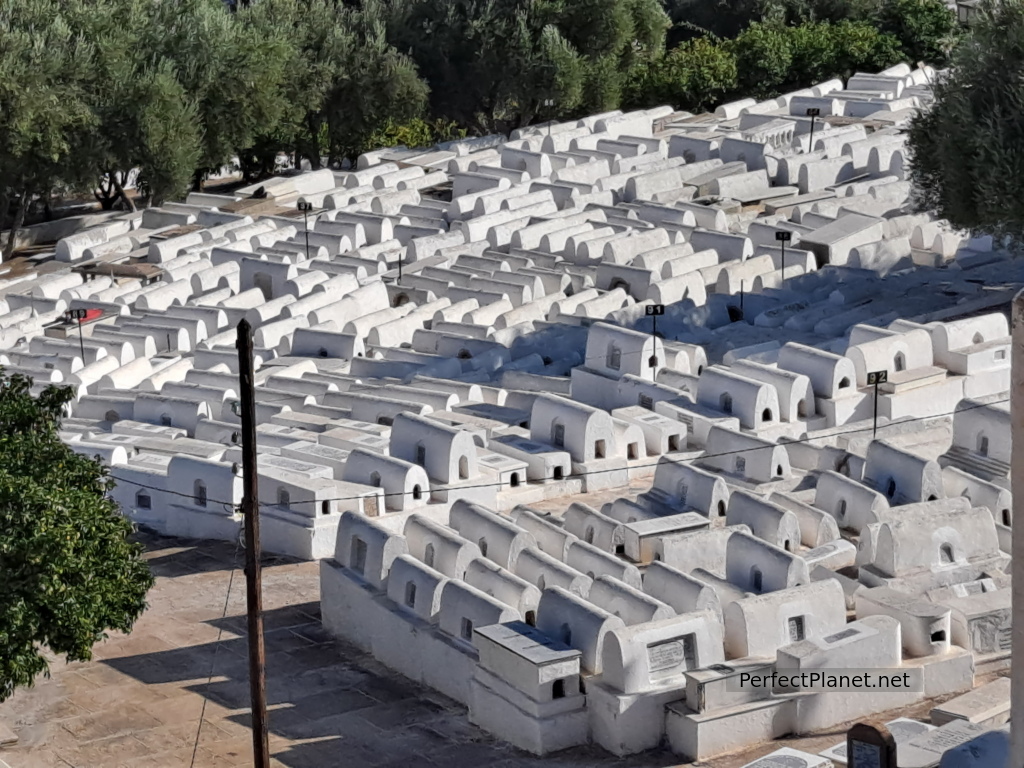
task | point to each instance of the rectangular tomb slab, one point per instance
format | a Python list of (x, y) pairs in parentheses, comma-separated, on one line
[(988, 704), (790, 758), (926, 750)]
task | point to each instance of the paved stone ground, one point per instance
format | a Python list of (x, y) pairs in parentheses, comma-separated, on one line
[(140, 701)]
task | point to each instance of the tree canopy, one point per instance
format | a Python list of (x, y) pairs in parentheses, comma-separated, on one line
[(91, 92), (968, 147), (69, 572)]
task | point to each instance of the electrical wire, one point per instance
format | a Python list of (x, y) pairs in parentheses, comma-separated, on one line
[(688, 462)]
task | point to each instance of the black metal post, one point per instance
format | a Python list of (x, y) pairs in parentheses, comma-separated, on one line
[(874, 420)]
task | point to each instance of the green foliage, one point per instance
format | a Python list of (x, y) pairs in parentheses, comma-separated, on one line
[(772, 58), (413, 133), (927, 29), (968, 148), (68, 570), (695, 76)]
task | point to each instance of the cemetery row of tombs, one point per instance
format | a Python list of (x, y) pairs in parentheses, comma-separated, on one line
[(450, 344)]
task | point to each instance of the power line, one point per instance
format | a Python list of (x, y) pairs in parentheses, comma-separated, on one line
[(702, 457), (216, 648)]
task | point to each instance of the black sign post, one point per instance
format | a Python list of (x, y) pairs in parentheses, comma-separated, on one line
[(78, 315), (653, 310), (783, 237), (874, 379), (306, 206), (869, 746), (812, 112)]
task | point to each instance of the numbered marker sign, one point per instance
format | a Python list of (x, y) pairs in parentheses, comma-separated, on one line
[(814, 112), (77, 314), (305, 206), (783, 237), (656, 309), (878, 377)]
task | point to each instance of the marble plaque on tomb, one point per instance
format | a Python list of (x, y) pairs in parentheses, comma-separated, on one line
[(670, 654), (926, 750), (790, 758)]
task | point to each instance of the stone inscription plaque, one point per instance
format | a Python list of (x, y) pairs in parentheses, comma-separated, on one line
[(666, 655)]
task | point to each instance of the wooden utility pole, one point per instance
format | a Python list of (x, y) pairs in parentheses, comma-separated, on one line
[(253, 580), (1017, 486)]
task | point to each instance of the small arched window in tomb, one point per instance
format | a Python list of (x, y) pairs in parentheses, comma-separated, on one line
[(721, 508), (199, 493), (844, 382), (421, 454), (234, 437), (541, 582), (513, 480), (632, 451), (841, 511), (357, 560), (932, 497), (741, 465), (978, 339), (143, 500), (946, 554), (558, 473), (801, 409), (464, 354), (652, 361), (483, 546), (284, 499), (899, 362), (756, 579), (614, 357), (766, 414), (599, 448), (401, 299), (325, 507), (467, 629), (531, 618), (778, 470), (558, 435), (417, 492), (1006, 518), (112, 416), (787, 545), (566, 634), (588, 535), (410, 594), (890, 487), (725, 403), (428, 556), (165, 420), (700, 369), (558, 689), (689, 156), (375, 479), (463, 467), (983, 445)]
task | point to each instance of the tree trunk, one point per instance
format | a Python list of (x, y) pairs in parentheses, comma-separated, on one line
[(119, 186), (19, 219)]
